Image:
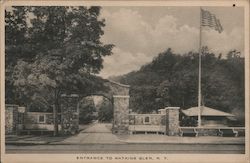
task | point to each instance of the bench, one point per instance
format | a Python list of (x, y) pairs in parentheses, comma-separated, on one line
[(146, 129), (188, 132), (240, 132), (228, 132), (208, 132)]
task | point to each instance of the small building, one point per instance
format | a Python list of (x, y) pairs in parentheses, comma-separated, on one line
[(209, 117)]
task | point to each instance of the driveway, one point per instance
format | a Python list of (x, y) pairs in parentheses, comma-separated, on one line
[(98, 133)]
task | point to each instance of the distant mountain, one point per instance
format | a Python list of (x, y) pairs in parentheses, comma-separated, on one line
[(115, 78)]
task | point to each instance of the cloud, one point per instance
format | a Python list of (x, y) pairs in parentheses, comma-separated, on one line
[(138, 40), (167, 34), (225, 41), (126, 30), (122, 62)]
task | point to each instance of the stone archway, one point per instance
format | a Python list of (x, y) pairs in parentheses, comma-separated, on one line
[(119, 96)]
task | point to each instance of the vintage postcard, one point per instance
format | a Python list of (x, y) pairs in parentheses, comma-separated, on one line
[(125, 81)]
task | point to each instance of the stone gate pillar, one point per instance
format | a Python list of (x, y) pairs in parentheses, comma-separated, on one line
[(121, 114), (11, 119), (69, 114), (172, 121)]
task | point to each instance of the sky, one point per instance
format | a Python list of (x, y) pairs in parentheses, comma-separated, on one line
[(141, 33)]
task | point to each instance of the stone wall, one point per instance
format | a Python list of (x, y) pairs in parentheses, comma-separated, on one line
[(69, 114), (141, 119), (69, 118), (147, 123), (33, 118), (172, 121), (31, 121), (121, 117)]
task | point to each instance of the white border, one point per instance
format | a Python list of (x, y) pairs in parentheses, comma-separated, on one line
[(173, 158)]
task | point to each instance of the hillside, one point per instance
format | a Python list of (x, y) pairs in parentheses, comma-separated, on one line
[(172, 80)]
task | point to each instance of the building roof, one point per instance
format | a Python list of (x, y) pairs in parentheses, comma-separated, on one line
[(205, 111)]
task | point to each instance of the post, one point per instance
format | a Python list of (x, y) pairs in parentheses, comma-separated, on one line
[(199, 80), (55, 120), (121, 114), (172, 121), (69, 114)]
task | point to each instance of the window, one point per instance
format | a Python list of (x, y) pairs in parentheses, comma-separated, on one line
[(41, 119), (146, 120)]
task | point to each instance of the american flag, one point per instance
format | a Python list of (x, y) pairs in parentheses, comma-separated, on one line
[(210, 20)]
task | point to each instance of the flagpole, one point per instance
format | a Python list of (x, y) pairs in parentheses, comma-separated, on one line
[(209, 20), (199, 80)]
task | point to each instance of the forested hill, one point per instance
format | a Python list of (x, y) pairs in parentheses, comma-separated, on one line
[(172, 80)]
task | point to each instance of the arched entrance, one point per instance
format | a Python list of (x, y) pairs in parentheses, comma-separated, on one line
[(117, 93)]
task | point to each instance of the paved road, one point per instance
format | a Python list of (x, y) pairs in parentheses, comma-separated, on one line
[(129, 148), (98, 133)]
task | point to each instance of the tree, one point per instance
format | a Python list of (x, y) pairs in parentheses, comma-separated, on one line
[(163, 93), (15, 34), (15, 46), (68, 52), (105, 113), (86, 110), (172, 79), (144, 99)]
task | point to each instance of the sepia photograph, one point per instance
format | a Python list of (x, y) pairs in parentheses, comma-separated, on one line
[(125, 79)]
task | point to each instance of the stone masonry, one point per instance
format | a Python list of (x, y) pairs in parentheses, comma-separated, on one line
[(11, 119), (120, 96), (121, 114), (154, 119), (117, 93), (172, 121), (69, 114)]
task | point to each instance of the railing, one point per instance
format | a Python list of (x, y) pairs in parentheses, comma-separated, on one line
[(212, 131), (213, 127)]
